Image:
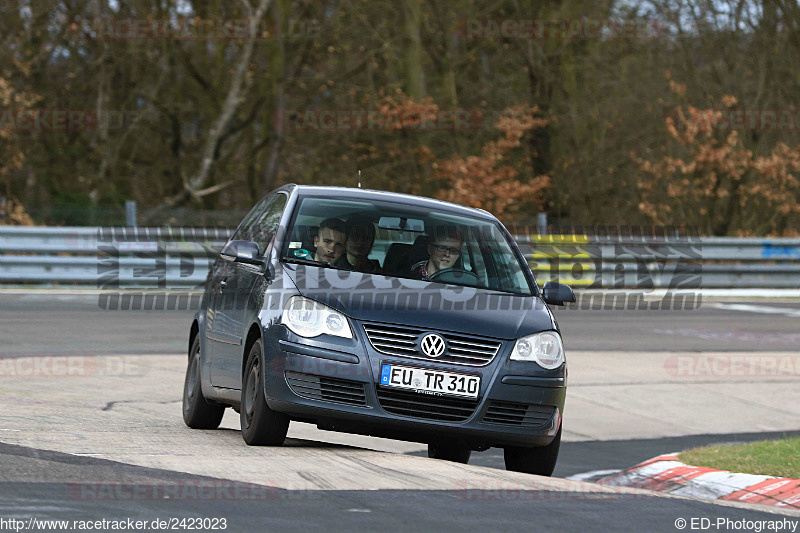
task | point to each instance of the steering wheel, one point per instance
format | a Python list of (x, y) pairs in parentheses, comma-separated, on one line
[(457, 276)]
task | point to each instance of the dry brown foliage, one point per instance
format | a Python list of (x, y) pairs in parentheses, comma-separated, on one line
[(491, 181), (716, 183), (12, 213)]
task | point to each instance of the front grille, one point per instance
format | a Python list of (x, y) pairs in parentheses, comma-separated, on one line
[(518, 414), (425, 406), (404, 342), (328, 389)]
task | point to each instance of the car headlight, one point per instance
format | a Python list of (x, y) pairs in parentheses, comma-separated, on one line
[(308, 318), (544, 348)]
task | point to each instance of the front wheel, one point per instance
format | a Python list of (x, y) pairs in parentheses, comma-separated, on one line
[(540, 461), (261, 426), (198, 413), (449, 452)]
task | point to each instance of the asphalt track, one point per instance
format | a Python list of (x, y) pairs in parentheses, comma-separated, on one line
[(352, 510), (52, 322), (109, 443), (585, 457)]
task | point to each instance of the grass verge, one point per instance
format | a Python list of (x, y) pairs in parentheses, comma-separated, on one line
[(769, 457)]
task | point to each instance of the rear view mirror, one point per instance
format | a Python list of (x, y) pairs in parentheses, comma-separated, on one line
[(402, 224), (242, 252), (556, 293)]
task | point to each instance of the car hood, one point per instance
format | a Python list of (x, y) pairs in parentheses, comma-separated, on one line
[(377, 298)]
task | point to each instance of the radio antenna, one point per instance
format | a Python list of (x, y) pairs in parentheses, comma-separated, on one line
[(359, 179)]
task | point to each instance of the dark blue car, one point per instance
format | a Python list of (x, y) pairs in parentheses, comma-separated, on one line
[(380, 314)]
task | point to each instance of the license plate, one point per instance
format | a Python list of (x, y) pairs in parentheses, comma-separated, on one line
[(427, 381)]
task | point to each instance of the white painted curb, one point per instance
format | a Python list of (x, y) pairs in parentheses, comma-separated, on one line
[(666, 473)]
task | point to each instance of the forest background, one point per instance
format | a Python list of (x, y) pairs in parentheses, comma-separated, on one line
[(597, 112)]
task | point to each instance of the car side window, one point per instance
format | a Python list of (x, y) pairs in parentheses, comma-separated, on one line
[(510, 279), (266, 225), (245, 230)]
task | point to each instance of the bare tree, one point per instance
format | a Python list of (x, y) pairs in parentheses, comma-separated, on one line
[(196, 186)]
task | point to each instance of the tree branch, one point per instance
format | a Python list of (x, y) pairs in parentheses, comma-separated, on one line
[(233, 100)]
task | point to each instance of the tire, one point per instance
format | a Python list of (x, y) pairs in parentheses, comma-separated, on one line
[(540, 461), (449, 452), (261, 426), (198, 413)]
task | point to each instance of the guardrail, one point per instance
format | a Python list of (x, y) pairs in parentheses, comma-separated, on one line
[(673, 262), (109, 258), (179, 258)]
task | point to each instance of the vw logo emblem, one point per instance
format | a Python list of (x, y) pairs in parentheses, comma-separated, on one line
[(432, 345)]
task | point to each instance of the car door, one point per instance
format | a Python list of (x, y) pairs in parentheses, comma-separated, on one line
[(237, 298), (219, 332), (216, 275)]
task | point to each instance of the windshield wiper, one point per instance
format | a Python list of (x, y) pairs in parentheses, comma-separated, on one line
[(304, 261)]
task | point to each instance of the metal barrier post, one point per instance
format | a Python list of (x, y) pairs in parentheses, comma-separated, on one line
[(541, 218), (130, 213)]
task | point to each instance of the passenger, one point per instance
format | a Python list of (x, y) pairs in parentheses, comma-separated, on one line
[(329, 241), (358, 245), (444, 251)]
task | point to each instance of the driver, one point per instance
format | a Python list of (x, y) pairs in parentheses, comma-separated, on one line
[(444, 251)]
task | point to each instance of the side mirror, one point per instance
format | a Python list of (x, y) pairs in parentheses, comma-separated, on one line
[(556, 293), (242, 252)]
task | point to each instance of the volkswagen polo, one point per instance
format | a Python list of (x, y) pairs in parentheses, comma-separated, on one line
[(380, 314)]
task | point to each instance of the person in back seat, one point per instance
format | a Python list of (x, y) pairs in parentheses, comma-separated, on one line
[(358, 244)]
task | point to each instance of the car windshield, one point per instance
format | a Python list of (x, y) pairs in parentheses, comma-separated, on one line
[(404, 241)]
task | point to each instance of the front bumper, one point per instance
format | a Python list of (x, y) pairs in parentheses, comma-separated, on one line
[(333, 383)]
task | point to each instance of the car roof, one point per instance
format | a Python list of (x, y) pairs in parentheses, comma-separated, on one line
[(404, 199)]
